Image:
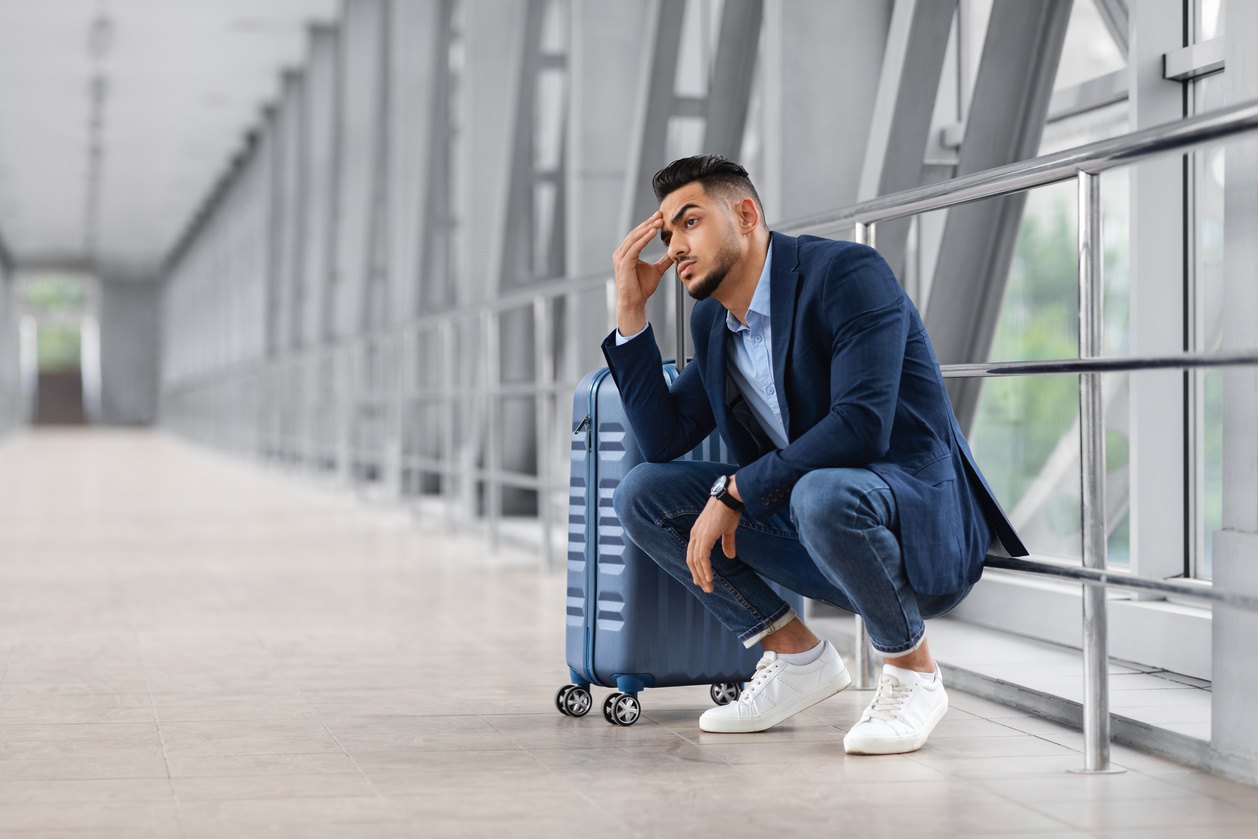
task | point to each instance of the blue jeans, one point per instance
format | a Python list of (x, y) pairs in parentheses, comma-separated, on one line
[(840, 544)]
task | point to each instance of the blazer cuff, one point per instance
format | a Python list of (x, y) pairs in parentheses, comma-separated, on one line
[(761, 498)]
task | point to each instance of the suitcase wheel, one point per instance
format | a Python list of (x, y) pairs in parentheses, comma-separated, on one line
[(573, 701), (723, 693), (621, 709)]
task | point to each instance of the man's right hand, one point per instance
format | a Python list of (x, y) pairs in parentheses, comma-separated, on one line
[(637, 280)]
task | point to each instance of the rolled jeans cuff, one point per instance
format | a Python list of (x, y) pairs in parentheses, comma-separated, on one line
[(897, 653), (751, 640)]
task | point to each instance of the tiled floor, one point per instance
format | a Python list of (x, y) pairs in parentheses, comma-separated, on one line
[(193, 648)]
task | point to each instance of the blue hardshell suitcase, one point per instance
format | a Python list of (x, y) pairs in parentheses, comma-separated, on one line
[(629, 624)]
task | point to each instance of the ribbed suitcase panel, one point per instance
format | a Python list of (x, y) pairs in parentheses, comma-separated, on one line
[(644, 621)]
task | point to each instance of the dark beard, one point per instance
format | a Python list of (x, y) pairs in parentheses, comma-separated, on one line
[(726, 259)]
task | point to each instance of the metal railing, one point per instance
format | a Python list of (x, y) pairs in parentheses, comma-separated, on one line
[(1084, 165), (352, 408)]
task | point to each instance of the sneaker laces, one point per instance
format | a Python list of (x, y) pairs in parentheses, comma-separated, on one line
[(889, 699), (761, 677)]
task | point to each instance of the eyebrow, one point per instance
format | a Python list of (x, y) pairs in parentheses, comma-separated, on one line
[(666, 235)]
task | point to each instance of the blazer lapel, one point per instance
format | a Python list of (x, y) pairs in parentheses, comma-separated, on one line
[(784, 284), (717, 362)]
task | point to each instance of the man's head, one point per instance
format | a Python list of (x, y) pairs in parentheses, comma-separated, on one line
[(712, 219)]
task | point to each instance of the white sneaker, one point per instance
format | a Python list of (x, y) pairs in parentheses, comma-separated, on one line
[(904, 712), (777, 691)]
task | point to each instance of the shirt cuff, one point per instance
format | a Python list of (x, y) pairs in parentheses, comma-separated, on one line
[(621, 340)]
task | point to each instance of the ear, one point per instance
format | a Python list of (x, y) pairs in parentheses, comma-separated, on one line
[(748, 215)]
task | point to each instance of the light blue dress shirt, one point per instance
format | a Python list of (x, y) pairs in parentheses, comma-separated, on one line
[(750, 351), (751, 358)]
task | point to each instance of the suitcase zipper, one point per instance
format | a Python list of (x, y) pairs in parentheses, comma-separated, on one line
[(592, 514), (586, 426)]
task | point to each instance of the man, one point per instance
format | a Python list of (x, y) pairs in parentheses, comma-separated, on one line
[(853, 485)]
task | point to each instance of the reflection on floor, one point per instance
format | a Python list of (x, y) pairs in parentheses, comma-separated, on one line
[(191, 647)]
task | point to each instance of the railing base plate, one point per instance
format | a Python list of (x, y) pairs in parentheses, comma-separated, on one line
[(1109, 770)]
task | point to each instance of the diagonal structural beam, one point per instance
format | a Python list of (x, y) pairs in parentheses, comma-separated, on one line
[(1010, 103), (730, 95), (724, 109), (518, 258), (907, 85), (655, 105)]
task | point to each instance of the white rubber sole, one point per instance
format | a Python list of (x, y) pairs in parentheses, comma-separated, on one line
[(857, 745), (743, 725)]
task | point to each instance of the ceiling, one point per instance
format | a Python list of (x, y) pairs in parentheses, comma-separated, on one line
[(118, 116)]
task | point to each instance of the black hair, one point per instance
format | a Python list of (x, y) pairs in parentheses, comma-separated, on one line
[(718, 175)]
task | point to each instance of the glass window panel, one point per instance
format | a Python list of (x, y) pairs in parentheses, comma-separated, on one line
[(1210, 14), (1089, 51), (1026, 433), (1023, 426)]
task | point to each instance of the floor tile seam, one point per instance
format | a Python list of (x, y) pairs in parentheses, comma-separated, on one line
[(1037, 806), (157, 723), (353, 762), (1032, 807), (610, 819), (986, 783)]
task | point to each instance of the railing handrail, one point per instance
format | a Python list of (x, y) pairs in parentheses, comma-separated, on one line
[(1112, 364), (1095, 157), (1022, 175)]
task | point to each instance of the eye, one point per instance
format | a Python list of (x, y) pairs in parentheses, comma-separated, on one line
[(690, 222)]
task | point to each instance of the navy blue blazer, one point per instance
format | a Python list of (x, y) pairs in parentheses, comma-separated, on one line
[(857, 385)]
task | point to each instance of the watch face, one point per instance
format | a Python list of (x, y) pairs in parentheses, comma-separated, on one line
[(719, 486)]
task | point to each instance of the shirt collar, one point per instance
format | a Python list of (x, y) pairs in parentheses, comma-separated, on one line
[(759, 300)]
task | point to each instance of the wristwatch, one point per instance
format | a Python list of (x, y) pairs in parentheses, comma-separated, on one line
[(720, 491)]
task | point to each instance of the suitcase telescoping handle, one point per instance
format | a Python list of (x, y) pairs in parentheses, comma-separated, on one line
[(681, 323)]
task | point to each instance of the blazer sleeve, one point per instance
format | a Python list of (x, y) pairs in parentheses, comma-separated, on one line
[(871, 320), (667, 421)]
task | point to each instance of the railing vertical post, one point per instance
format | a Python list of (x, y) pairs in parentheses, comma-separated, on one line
[(449, 416), (490, 322), (863, 658), (543, 351), (347, 409), (1096, 728)]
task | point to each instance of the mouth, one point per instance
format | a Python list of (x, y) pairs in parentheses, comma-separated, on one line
[(684, 269)]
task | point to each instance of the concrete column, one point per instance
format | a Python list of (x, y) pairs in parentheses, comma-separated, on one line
[(1234, 743), (319, 177), (417, 32)]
